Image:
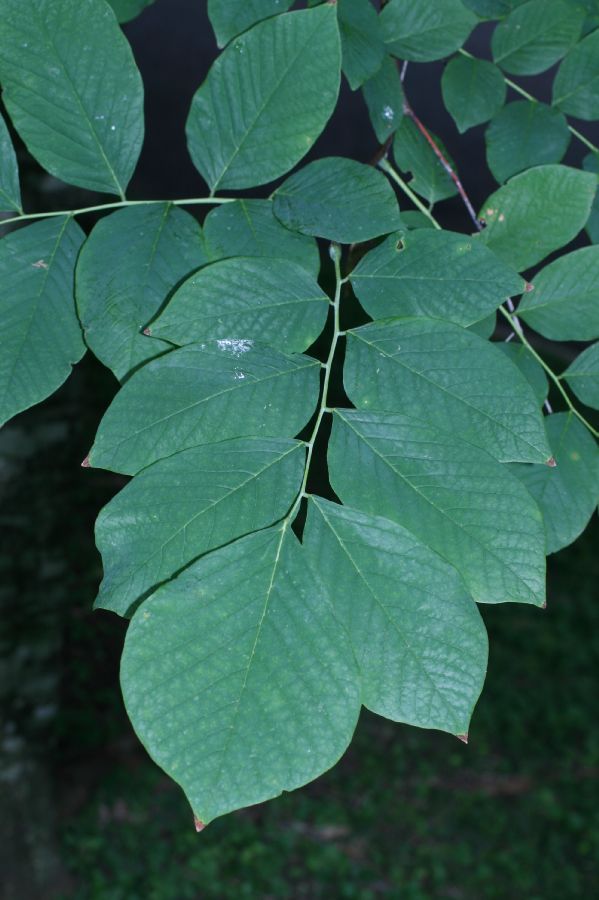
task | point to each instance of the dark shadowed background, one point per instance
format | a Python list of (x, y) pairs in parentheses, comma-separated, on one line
[(406, 814)]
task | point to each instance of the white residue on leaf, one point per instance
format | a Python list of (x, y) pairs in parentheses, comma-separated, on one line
[(234, 345), (388, 113)]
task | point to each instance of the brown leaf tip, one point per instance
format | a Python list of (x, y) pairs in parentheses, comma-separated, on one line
[(528, 287), (463, 738), (551, 462), (147, 331), (86, 463), (199, 825), (544, 604)]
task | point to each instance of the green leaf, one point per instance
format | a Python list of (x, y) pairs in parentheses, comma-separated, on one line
[(249, 228), (72, 90), (427, 30), (485, 327), (270, 300), (41, 338), (473, 91), (567, 494), (125, 272), (238, 678), (492, 9), (525, 134), (583, 376), (338, 199), (591, 164), (230, 17), (438, 274), (204, 393), (453, 496), (576, 85), (362, 46), (128, 9), (419, 640), (534, 36), (537, 212), (10, 191), (414, 154), (234, 129), (563, 305), (439, 372), (530, 368), (414, 219), (181, 507), (384, 98)]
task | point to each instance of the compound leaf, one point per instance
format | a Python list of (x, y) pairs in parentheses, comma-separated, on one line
[(270, 300), (414, 154), (418, 637), (436, 370), (583, 376), (249, 228), (427, 30), (362, 46), (576, 85), (230, 17), (525, 134), (72, 90), (237, 676), (126, 10), (10, 191), (41, 337), (567, 494), (530, 368), (537, 212), (204, 393), (384, 98), (473, 91), (125, 272), (338, 199), (257, 114), (438, 274), (181, 507), (453, 496), (535, 35), (563, 305)]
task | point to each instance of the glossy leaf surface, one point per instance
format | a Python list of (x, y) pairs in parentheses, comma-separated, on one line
[(525, 134), (10, 191), (535, 35), (230, 17), (384, 97), (582, 376), (576, 85), (362, 46)]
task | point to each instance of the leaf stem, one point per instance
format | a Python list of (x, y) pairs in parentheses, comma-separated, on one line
[(386, 166), (191, 201), (515, 323), (527, 96), (335, 251)]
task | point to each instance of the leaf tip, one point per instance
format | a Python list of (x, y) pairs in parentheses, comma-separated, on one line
[(544, 604), (147, 331), (463, 738), (551, 462), (86, 463), (199, 825), (528, 287)]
